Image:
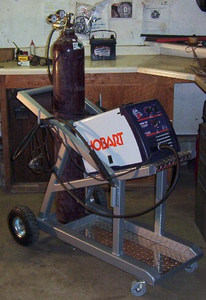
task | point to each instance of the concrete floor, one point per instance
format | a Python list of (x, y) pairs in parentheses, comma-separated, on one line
[(52, 269)]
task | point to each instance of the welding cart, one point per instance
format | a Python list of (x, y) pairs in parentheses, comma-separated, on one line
[(150, 255)]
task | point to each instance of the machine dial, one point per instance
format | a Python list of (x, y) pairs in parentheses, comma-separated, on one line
[(148, 110), (155, 123), (156, 109)]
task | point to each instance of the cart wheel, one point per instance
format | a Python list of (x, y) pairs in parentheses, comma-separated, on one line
[(191, 267), (138, 288), (23, 225)]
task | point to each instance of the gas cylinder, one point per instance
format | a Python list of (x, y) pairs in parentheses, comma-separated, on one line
[(69, 104), (68, 76)]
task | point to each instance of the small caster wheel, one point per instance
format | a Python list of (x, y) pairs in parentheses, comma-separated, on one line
[(138, 288), (191, 267), (23, 225)]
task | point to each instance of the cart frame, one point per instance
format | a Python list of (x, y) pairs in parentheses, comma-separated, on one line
[(116, 241)]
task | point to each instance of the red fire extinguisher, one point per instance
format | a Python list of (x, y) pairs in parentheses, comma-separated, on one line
[(68, 104)]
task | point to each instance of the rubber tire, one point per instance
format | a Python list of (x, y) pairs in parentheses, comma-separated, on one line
[(29, 225), (201, 4)]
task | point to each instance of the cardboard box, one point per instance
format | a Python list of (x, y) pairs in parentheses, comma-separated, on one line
[(7, 54)]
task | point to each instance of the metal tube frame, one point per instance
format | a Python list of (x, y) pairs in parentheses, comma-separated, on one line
[(78, 233)]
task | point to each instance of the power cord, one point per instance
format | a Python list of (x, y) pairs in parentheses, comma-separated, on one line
[(129, 216), (46, 124)]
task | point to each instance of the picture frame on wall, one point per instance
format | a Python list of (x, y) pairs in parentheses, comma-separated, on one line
[(121, 10)]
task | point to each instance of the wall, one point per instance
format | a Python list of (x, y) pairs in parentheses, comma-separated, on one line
[(24, 20), (173, 17)]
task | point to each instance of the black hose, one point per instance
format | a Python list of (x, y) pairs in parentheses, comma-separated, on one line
[(129, 216), (103, 171), (47, 54), (24, 143), (38, 144)]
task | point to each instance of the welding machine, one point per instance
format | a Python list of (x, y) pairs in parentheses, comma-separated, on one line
[(129, 135)]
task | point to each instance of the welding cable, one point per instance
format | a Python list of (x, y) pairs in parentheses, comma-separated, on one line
[(129, 216), (37, 144), (40, 152), (25, 141), (103, 171), (113, 176), (95, 157), (29, 138), (74, 161), (92, 153), (93, 175)]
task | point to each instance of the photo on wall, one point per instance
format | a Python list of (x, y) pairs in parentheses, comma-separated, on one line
[(121, 10)]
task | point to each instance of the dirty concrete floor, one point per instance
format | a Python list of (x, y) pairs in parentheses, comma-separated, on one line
[(52, 269)]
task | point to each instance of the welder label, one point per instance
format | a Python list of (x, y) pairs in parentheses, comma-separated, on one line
[(110, 136), (103, 143)]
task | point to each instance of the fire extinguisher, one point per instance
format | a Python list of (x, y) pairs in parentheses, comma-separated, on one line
[(68, 80)]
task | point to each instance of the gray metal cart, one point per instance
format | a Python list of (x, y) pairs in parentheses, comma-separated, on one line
[(150, 255)]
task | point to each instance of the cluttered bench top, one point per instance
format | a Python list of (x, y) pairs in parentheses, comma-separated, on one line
[(159, 65)]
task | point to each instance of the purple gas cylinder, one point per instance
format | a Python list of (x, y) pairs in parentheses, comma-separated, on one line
[(68, 76), (69, 104)]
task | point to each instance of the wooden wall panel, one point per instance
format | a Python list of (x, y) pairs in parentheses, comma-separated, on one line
[(121, 88), (26, 81)]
